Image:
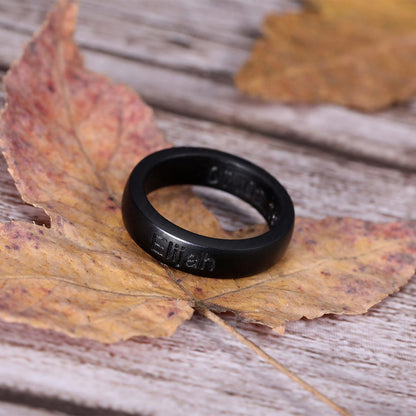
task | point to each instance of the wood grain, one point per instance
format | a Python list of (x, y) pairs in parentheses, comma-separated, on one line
[(335, 162), (189, 78)]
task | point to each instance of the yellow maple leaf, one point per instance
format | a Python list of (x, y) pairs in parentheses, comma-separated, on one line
[(71, 138), (360, 54)]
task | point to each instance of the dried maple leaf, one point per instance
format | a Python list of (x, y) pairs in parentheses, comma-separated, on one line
[(70, 138), (350, 52)]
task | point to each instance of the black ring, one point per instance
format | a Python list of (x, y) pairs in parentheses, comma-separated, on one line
[(194, 253)]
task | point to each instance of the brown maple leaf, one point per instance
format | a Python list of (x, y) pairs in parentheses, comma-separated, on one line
[(71, 138), (351, 52)]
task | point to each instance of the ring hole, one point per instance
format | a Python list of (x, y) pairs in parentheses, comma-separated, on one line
[(187, 207), (232, 212)]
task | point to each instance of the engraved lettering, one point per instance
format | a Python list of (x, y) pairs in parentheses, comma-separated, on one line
[(273, 218), (249, 189), (239, 185), (221, 178), (208, 262), (177, 255), (227, 179), (213, 176), (169, 249), (158, 245), (192, 261), (258, 197), (273, 214), (244, 187)]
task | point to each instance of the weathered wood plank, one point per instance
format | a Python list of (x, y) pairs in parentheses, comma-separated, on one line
[(11, 205), (232, 22), (137, 45)]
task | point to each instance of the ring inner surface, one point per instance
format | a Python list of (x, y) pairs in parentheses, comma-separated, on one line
[(229, 176)]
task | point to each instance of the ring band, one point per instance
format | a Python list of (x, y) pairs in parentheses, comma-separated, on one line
[(198, 254)]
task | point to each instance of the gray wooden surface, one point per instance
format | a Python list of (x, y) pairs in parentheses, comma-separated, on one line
[(335, 162)]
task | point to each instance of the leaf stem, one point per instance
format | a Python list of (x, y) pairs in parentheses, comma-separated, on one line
[(219, 321)]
